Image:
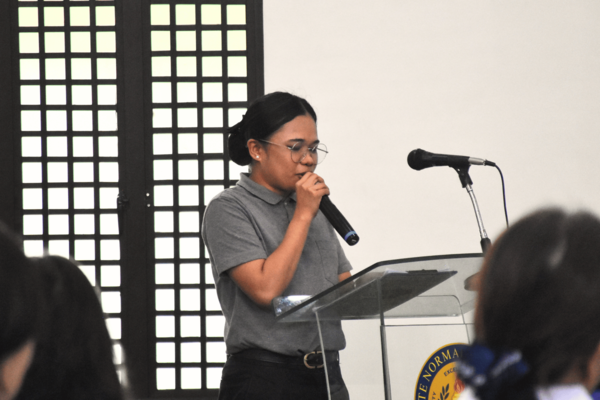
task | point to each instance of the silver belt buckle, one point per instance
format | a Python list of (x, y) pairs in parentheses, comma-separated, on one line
[(306, 360)]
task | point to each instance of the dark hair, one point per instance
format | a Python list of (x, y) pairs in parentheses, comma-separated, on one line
[(265, 116), (540, 294), (74, 356), (19, 296)]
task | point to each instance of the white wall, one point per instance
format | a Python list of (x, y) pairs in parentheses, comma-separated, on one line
[(516, 82)]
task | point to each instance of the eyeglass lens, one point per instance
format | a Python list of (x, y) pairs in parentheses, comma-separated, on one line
[(300, 151)]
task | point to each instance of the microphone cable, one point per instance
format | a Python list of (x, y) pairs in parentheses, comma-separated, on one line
[(503, 194)]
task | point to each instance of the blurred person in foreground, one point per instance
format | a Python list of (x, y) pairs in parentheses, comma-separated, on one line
[(74, 354), (537, 321), (19, 314)]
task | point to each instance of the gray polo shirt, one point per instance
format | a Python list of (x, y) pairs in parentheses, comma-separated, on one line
[(248, 222)]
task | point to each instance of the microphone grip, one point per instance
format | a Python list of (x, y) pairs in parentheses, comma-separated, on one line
[(337, 220)]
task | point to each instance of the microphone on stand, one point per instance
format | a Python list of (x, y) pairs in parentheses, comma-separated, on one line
[(337, 220), (419, 159)]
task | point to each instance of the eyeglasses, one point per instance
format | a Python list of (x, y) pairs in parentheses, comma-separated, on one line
[(300, 150)]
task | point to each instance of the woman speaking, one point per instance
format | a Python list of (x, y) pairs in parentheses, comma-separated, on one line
[(266, 238)]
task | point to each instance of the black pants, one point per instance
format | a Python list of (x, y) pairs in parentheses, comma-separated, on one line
[(248, 379)]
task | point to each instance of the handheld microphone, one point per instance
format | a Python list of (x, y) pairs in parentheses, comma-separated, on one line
[(419, 159), (337, 220)]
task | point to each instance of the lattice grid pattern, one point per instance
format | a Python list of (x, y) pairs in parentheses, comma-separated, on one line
[(69, 140), (199, 88)]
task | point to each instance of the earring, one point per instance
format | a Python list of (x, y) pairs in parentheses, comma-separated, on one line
[(257, 157)]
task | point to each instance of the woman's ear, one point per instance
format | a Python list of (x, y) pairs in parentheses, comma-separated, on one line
[(593, 372), (13, 370), (255, 149)]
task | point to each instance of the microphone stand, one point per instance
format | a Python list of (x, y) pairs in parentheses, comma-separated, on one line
[(465, 180)]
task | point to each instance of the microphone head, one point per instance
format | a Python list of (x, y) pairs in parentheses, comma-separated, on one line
[(351, 238), (416, 161)]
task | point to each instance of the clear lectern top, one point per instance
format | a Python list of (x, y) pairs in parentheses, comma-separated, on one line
[(413, 287)]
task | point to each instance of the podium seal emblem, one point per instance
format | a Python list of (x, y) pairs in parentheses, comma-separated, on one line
[(437, 379)]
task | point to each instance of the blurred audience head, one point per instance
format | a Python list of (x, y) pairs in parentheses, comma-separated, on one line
[(539, 296), (74, 355)]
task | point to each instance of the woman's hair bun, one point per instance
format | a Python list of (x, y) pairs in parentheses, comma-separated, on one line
[(237, 145)]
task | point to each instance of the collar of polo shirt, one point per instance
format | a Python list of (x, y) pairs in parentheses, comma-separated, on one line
[(260, 191)]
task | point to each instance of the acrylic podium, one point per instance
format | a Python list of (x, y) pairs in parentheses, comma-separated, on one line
[(424, 287)]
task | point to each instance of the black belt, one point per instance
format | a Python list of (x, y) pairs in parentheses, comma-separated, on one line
[(310, 360)]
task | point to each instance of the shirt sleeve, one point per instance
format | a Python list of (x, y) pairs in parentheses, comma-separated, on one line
[(230, 235), (343, 265)]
